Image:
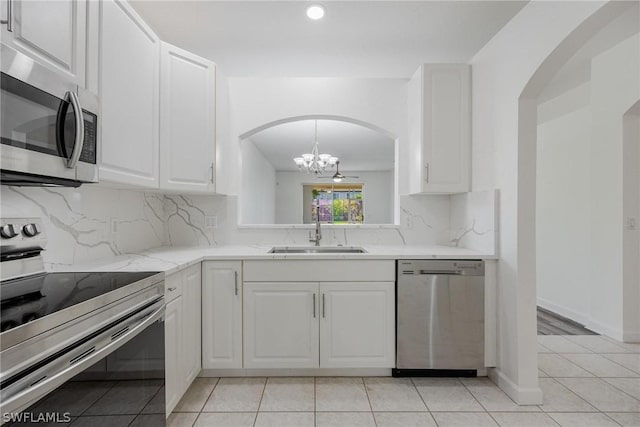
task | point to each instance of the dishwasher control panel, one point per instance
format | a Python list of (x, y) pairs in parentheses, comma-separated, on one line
[(452, 267)]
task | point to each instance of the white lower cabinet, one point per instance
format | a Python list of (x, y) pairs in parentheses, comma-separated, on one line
[(326, 325), (222, 314), (281, 325), (357, 325), (182, 332), (172, 327), (191, 362)]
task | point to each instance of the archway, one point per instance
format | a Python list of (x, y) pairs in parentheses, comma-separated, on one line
[(527, 144), (367, 153)]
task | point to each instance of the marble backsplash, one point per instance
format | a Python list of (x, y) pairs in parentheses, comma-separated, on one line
[(89, 223), (474, 221), (93, 222)]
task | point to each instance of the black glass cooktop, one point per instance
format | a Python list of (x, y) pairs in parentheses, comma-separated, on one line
[(27, 299)]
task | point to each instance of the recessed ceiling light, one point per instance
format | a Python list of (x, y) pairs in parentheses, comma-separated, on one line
[(315, 12)]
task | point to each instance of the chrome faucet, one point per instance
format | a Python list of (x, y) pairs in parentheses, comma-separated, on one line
[(318, 235)]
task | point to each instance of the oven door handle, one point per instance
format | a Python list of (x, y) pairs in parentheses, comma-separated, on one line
[(79, 139), (46, 379)]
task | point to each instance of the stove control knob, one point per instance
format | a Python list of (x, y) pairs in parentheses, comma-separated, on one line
[(30, 230), (7, 231)]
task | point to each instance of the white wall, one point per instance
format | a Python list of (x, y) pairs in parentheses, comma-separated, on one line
[(631, 233), (379, 102), (500, 72), (258, 186), (615, 87), (563, 204), (378, 195)]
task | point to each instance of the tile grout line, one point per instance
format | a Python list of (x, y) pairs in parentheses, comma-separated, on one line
[(576, 365), (209, 395), (569, 339), (618, 388), (255, 420), (420, 395), (613, 361), (594, 377), (424, 402), (364, 384), (604, 357), (607, 415), (570, 391), (474, 396)]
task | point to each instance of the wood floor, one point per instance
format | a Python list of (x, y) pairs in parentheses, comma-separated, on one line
[(550, 323)]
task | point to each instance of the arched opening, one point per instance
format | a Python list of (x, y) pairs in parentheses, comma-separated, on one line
[(592, 195), (277, 191)]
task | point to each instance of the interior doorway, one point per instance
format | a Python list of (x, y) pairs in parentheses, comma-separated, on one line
[(586, 187)]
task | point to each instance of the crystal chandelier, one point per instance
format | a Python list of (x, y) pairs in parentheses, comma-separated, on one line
[(315, 162)]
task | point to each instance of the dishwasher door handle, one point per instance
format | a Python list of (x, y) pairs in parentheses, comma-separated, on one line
[(441, 272)]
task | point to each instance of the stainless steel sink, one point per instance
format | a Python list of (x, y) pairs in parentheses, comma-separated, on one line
[(316, 250)]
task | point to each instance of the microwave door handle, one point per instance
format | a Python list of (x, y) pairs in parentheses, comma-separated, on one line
[(79, 139)]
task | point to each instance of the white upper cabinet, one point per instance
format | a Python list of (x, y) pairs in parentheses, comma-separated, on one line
[(187, 121), (439, 113), (128, 88), (53, 33)]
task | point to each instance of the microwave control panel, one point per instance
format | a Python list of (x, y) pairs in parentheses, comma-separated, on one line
[(89, 149)]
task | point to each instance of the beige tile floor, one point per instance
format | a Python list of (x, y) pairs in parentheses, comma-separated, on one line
[(588, 381)]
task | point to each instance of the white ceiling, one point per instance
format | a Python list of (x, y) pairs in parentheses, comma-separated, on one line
[(359, 148), (384, 39)]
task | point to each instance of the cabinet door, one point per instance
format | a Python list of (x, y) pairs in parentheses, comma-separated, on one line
[(281, 325), (191, 337), (446, 128), (357, 325), (222, 314), (128, 88), (172, 345), (53, 33), (187, 121)]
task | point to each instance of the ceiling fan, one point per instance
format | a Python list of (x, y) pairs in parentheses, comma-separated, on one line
[(338, 177)]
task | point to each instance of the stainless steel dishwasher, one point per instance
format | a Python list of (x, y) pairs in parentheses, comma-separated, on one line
[(440, 317)]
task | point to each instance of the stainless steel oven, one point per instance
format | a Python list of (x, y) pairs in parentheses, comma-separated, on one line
[(77, 348), (49, 126)]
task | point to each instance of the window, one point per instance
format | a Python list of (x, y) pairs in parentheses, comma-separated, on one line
[(338, 203)]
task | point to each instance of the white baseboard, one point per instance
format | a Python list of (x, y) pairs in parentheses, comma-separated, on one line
[(604, 329), (319, 372), (576, 316), (631, 337), (590, 323), (521, 395)]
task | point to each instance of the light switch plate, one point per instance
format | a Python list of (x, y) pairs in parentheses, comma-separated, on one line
[(631, 223)]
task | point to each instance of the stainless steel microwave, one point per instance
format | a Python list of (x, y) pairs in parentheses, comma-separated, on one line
[(49, 126)]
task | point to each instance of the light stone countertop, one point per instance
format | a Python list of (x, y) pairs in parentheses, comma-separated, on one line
[(172, 259)]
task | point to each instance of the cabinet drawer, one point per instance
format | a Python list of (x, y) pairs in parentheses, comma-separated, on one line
[(172, 286), (319, 271)]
